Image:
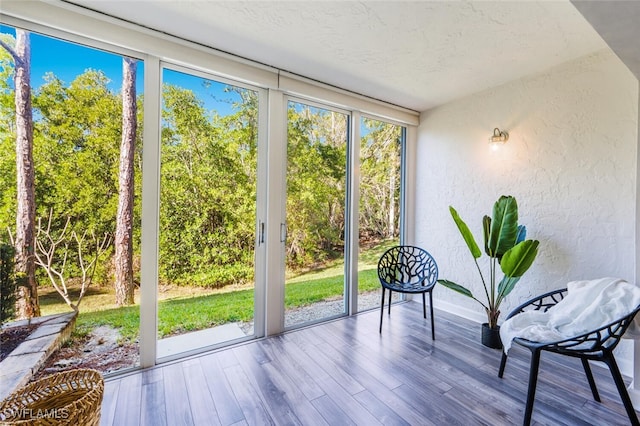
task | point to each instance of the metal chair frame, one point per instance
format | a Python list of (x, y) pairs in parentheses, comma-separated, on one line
[(408, 269), (595, 345)]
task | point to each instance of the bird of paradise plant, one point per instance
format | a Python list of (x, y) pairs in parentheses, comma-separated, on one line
[(506, 246)]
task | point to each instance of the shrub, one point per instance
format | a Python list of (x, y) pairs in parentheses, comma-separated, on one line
[(7, 282), (218, 276)]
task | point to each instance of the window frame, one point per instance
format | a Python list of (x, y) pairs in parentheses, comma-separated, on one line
[(76, 24)]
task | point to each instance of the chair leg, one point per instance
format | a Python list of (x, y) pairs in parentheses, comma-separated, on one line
[(390, 293), (381, 309), (503, 363), (424, 307), (433, 329), (533, 381), (622, 389), (592, 383)]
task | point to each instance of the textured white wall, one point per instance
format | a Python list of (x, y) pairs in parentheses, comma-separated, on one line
[(571, 163)]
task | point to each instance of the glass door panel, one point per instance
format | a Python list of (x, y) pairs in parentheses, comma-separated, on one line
[(379, 218), (207, 213), (317, 141)]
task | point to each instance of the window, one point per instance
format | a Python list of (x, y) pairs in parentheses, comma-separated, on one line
[(200, 206), (317, 141), (84, 258)]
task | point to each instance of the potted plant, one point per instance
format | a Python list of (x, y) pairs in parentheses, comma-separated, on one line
[(506, 246)]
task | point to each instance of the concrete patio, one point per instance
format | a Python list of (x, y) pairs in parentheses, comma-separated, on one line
[(24, 361)]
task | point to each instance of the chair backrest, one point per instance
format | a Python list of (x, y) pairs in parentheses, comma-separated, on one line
[(606, 337), (407, 265), (543, 302)]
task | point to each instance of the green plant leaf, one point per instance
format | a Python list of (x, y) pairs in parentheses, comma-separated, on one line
[(504, 226), (518, 259), (506, 285), (486, 229), (456, 287), (466, 234)]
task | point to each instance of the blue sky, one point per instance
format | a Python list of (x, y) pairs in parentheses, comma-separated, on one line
[(68, 60)]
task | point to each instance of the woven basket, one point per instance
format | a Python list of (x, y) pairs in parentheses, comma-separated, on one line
[(70, 397)]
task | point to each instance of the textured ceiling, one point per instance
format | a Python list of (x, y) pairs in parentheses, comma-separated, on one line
[(413, 54)]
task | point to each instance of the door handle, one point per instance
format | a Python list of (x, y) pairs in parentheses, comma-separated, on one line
[(283, 232), (261, 233)]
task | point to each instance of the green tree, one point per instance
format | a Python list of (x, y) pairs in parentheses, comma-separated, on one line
[(76, 134), (380, 180), (77, 151), (316, 178), (8, 182), (207, 210), (76, 155), (7, 282)]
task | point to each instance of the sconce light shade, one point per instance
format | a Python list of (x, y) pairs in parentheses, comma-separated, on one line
[(498, 138)]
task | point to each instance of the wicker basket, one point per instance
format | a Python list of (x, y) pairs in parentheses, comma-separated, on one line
[(70, 397)]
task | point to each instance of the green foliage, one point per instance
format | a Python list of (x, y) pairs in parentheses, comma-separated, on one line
[(380, 149), (456, 287), (76, 151), (466, 233), (218, 277), (7, 139), (208, 176), (208, 191), (7, 282), (8, 183), (518, 259), (503, 227), (316, 184), (505, 245)]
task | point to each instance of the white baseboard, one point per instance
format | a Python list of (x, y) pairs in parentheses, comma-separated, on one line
[(452, 308)]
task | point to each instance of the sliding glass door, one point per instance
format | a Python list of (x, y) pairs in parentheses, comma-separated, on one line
[(317, 146), (208, 195), (380, 203)]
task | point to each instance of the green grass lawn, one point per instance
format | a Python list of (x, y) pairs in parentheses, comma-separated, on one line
[(187, 309)]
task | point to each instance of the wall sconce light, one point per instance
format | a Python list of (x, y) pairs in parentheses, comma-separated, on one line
[(498, 138)]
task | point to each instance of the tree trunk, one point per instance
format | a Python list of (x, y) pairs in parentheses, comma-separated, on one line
[(27, 301), (124, 220)]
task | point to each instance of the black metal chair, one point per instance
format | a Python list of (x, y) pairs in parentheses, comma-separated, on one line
[(595, 345), (408, 269)]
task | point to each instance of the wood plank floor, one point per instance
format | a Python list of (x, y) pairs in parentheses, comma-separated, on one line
[(345, 373)]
